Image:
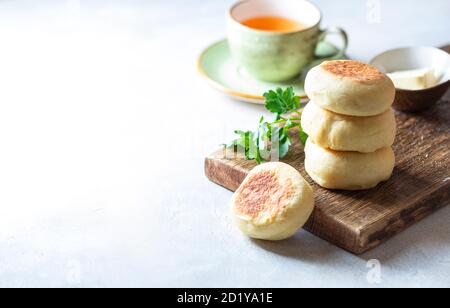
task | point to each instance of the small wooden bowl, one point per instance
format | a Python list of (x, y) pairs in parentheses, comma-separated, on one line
[(414, 101), (415, 58)]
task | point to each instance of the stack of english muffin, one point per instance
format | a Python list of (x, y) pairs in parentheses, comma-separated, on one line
[(350, 124)]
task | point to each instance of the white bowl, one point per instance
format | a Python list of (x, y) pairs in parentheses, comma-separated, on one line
[(417, 58), (410, 58)]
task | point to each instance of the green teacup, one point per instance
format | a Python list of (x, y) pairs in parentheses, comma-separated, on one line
[(277, 56)]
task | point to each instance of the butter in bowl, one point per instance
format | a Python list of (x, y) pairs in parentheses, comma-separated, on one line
[(421, 75)]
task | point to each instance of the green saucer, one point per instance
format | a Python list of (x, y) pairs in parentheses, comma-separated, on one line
[(218, 67)]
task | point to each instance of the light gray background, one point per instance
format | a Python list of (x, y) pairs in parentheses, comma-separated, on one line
[(104, 124)]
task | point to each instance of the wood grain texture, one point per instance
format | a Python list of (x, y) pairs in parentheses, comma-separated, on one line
[(360, 221), (446, 48)]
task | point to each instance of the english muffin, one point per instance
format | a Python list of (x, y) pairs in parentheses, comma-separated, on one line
[(273, 202), (350, 88), (348, 170), (348, 133)]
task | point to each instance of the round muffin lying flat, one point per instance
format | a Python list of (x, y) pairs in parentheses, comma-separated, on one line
[(273, 202), (350, 88), (348, 170), (348, 133)]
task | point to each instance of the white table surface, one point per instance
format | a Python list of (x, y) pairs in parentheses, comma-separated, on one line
[(104, 124)]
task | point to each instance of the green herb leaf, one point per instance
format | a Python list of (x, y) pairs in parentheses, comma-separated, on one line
[(282, 101), (302, 135), (259, 145)]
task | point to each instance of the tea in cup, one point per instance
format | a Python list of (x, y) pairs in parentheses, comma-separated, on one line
[(274, 40)]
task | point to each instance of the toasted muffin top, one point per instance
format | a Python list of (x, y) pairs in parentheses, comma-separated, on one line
[(353, 70), (264, 193)]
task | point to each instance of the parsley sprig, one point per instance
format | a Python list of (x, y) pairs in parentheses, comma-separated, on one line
[(272, 138)]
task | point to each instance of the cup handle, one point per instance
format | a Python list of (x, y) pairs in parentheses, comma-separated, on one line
[(340, 53)]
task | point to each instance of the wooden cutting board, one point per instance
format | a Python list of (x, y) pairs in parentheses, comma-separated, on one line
[(360, 221)]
